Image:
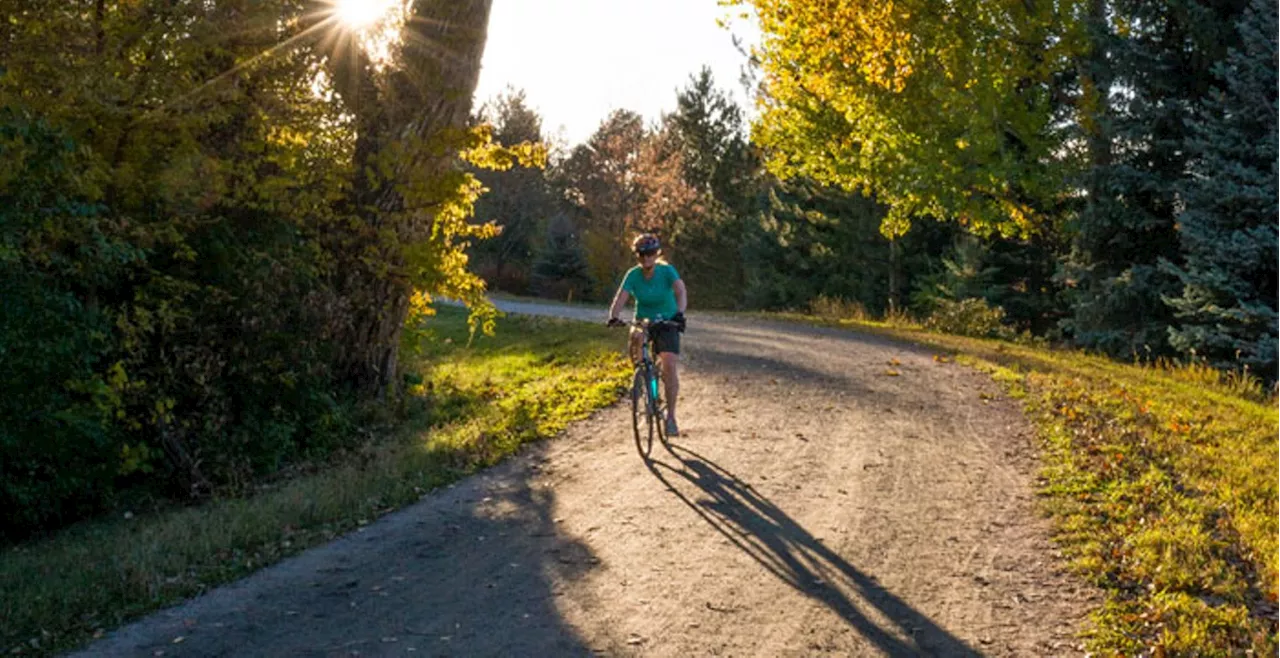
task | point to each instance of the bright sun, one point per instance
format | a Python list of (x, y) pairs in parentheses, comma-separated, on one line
[(360, 14)]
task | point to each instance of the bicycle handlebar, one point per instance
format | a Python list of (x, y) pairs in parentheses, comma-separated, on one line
[(638, 324)]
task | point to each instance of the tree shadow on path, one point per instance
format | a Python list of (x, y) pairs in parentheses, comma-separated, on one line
[(475, 570)]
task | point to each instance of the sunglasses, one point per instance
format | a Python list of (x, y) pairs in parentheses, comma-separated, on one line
[(645, 254)]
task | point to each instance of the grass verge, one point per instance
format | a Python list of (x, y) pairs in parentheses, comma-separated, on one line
[(1162, 482), (474, 406)]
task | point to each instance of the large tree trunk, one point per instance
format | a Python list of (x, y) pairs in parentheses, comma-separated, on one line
[(1096, 79), (425, 93), (895, 277)]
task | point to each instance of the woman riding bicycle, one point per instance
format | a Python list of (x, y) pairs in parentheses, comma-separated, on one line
[(660, 295)]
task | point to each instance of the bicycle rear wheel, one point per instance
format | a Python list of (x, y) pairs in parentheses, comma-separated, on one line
[(641, 417)]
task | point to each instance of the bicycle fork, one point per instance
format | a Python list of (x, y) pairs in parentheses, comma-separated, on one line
[(652, 379)]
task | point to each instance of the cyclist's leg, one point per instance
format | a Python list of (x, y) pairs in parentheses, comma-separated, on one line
[(634, 344), (667, 345), (671, 380)]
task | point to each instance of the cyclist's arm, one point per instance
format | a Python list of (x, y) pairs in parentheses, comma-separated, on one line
[(682, 296), (619, 302)]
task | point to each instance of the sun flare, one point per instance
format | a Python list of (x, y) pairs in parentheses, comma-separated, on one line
[(361, 14)]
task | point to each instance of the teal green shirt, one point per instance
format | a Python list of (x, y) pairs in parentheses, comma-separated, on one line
[(655, 297)]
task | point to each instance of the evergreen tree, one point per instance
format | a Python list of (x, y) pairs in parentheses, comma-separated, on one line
[(1161, 62), (519, 199), (1227, 305), (815, 241), (1025, 286), (1013, 274), (809, 241), (560, 270), (966, 273), (707, 127)]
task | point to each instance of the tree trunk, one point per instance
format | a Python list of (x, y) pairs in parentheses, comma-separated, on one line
[(99, 31), (1096, 79), (425, 93), (894, 276)]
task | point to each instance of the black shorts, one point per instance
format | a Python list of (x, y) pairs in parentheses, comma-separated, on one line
[(666, 338)]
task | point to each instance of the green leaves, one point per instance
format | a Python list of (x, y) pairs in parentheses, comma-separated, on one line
[(941, 111), (57, 407), (199, 237)]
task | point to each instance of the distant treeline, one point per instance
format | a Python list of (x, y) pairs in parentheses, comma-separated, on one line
[(1098, 174)]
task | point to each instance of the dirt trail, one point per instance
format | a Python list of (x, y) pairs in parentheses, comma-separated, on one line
[(814, 505)]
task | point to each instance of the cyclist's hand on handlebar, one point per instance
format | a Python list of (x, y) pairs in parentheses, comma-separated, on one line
[(679, 321), (614, 322)]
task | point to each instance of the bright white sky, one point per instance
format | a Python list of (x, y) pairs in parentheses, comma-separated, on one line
[(577, 60)]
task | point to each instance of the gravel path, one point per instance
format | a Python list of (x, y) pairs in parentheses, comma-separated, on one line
[(815, 505)]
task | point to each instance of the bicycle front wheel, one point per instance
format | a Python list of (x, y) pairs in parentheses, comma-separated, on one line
[(641, 418)]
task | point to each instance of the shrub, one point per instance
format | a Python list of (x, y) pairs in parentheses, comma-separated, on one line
[(969, 317)]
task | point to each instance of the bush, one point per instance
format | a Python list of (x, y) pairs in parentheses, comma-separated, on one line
[(60, 389), (969, 317), (168, 351), (837, 308)]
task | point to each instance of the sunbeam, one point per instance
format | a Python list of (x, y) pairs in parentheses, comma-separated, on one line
[(359, 15), (349, 31)]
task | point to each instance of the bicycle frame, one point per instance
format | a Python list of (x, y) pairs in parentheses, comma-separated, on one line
[(647, 383), (649, 360)]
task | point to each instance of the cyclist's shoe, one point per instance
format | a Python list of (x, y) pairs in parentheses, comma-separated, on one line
[(672, 430)]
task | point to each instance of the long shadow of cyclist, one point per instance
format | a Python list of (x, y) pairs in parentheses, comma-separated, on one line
[(793, 555)]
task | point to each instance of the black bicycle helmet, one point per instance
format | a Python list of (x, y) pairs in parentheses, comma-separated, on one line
[(645, 244)]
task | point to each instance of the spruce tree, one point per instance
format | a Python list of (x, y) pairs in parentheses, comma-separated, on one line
[(716, 162), (1227, 305), (811, 240), (560, 270), (1161, 64)]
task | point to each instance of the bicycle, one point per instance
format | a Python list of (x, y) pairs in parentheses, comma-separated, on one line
[(647, 406)]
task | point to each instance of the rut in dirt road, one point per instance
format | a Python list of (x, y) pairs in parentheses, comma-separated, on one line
[(831, 493)]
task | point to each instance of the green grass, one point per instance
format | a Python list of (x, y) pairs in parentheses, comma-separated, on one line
[(1162, 482), (474, 406)]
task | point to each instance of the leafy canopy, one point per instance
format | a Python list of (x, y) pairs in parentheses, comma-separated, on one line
[(938, 109)]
